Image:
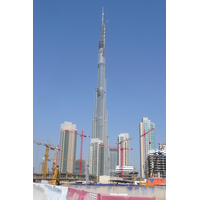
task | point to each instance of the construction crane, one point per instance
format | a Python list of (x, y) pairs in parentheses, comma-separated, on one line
[(81, 135), (145, 144), (55, 162), (48, 146), (121, 148)]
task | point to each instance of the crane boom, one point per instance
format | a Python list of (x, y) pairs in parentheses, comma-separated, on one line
[(145, 145)]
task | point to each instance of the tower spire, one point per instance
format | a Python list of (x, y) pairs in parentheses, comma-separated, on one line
[(102, 14), (102, 36)]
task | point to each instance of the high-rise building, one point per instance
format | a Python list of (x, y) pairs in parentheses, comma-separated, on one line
[(147, 142), (67, 143), (99, 122), (96, 155), (113, 160), (121, 137)]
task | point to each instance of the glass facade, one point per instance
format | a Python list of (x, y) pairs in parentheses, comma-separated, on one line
[(97, 155), (113, 161)]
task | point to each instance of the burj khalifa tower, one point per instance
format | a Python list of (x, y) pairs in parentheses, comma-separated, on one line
[(99, 122)]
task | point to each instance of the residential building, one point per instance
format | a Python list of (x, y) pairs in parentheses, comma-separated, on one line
[(68, 140), (122, 137), (96, 157), (147, 142)]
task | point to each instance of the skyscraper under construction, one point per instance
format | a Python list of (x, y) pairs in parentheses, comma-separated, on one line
[(99, 122)]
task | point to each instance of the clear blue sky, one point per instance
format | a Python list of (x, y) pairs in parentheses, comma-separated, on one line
[(65, 55)]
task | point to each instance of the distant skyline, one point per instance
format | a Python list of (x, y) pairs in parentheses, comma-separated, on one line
[(65, 60)]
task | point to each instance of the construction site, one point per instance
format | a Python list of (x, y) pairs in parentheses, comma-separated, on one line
[(125, 184)]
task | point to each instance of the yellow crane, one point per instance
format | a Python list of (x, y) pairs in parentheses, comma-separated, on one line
[(48, 146)]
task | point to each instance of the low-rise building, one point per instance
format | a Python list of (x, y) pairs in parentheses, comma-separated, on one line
[(128, 172)]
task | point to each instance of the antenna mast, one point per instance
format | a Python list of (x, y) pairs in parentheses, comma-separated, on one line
[(102, 13)]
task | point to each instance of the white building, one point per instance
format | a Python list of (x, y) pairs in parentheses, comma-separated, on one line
[(121, 137), (96, 157)]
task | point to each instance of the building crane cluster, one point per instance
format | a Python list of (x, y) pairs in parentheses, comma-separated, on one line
[(121, 148), (48, 146)]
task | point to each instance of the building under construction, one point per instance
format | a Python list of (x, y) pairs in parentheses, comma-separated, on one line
[(157, 163)]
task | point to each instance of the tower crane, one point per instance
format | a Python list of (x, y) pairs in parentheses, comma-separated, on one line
[(145, 144), (81, 135), (55, 162), (121, 148), (48, 146)]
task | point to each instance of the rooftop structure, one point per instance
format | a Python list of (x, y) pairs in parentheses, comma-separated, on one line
[(161, 146)]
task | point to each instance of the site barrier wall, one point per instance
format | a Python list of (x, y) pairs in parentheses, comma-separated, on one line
[(89, 192), (140, 191), (76, 194), (126, 197), (38, 192), (49, 192)]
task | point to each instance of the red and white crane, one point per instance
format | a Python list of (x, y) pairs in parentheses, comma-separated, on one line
[(81, 135), (121, 148), (145, 144)]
